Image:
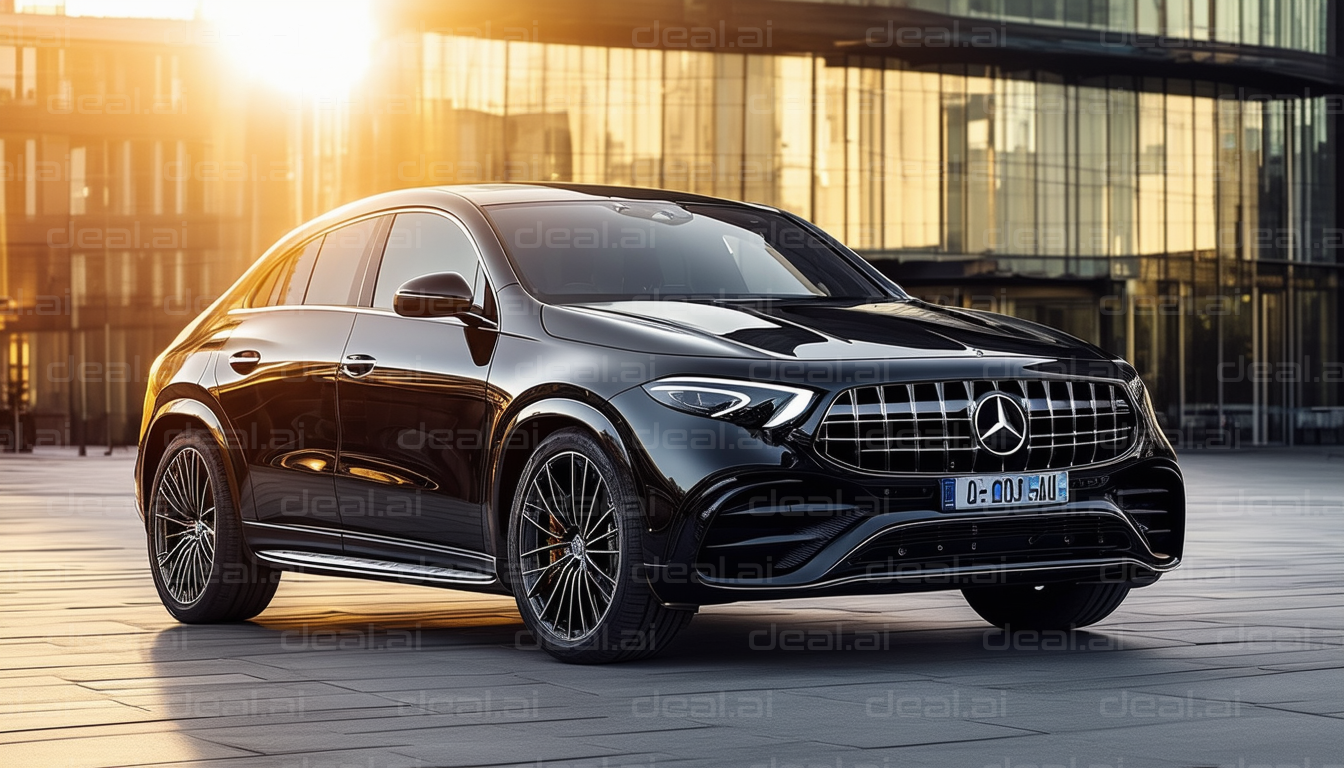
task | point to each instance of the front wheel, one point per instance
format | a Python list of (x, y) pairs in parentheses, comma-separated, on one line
[(201, 568), (1064, 605), (576, 557)]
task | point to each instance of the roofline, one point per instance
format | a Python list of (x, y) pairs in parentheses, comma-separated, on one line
[(610, 190), (422, 196)]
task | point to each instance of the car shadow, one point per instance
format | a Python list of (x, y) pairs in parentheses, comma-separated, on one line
[(904, 640), (813, 635)]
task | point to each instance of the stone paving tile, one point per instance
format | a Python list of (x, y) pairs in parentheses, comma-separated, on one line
[(496, 751), (709, 740), (23, 721), (301, 738), (327, 758), (792, 753), (433, 680), (194, 719), (156, 748), (553, 721), (1237, 660)]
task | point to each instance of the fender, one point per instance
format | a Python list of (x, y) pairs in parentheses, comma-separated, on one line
[(552, 407), (572, 409), (214, 424)]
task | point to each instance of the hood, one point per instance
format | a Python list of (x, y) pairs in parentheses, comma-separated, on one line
[(810, 330)]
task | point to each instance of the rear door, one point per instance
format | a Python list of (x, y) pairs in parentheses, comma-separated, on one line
[(276, 381), (412, 400)]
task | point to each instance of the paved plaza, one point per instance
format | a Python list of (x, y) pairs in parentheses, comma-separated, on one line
[(1236, 660)]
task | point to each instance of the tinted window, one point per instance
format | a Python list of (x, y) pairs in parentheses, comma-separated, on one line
[(264, 289), (337, 275), (297, 284), (621, 250), (286, 279), (421, 244)]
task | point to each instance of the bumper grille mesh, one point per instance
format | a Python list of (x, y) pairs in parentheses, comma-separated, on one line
[(1017, 540), (927, 426)]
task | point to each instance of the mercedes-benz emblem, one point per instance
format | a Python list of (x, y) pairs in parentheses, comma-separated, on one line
[(1000, 424)]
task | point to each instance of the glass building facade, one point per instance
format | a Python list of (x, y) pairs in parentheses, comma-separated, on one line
[(1293, 24), (1185, 219), (1154, 216)]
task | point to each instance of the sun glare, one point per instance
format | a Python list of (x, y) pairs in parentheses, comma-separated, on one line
[(306, 47), (140, 9)]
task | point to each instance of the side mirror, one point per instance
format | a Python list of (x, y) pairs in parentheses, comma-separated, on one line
[(441, 294)]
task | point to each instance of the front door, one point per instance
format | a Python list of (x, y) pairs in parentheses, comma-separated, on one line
[(413, 409)]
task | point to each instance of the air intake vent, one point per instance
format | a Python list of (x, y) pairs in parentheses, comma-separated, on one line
[(1158, 512), (929, 426), (993, 542)]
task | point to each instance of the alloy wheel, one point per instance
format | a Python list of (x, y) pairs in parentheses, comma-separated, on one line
[(569, 546), (184, 527)]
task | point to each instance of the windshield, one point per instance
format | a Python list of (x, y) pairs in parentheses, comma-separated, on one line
[(623, 250)]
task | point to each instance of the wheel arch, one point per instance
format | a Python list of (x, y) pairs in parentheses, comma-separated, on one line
[(528, 426), (174, 415)]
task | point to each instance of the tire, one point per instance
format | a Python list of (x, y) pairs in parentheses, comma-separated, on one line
[(202, 570), (587, 602), (1064, 605)]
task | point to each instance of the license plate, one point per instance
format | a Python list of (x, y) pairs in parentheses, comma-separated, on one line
[(1005, 490)]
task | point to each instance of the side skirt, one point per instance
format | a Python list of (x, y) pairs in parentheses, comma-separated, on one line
[(382, 570)]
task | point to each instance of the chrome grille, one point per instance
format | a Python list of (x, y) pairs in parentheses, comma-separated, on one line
[(927, 426)]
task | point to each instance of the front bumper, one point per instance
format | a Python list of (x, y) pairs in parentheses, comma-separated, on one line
[(774, 534)]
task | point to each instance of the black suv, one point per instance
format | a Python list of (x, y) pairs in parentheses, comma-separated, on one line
[(620, 404)]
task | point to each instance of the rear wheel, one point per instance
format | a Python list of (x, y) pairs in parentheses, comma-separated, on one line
[(576, 557), (1064, 605), (201, 568)]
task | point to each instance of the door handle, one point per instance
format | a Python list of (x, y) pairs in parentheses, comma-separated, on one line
[(244, 361), (356, 366)]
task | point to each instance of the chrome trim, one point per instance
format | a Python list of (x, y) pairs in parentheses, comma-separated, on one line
[(350, 362), (1140, 430), (300, 528), (1002, 421), (444, 549), (370, 567), (453, 320), (245, 311), (369, 272)]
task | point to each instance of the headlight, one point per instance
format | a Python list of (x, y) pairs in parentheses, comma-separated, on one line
[(1143, 405), (1139, 399), (747, 404)]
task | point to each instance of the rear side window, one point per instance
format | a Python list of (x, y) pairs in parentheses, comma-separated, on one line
[(303, 270), (286, 280), (338, 276), (422, 244), (263, 291)]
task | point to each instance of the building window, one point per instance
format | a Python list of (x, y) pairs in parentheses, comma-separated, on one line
[(9, 73), (167, 83), (18, 74), (79, 189), (178, 174), (158, 174), (28, 76), (30, 178)]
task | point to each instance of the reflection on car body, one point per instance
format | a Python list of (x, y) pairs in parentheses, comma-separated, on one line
[(621, 404)]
